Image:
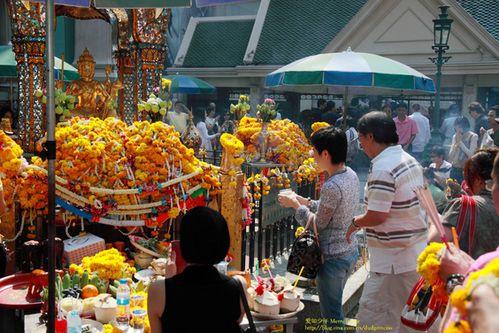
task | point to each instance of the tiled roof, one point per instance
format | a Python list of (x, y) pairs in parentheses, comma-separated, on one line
[(219, 44), (294, 29), (485, 12)]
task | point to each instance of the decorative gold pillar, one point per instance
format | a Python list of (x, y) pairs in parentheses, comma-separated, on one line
[(232, 195), (232, 211), (28, 40)]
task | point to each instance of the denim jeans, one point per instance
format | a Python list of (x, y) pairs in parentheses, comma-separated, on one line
[(331, 280)]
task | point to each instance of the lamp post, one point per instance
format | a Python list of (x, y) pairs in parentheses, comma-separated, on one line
[(441, 32)]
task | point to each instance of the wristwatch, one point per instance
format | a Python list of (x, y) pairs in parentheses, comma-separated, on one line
[(452, 281)]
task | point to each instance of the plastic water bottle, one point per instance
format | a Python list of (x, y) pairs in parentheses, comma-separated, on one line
[(74, 322), (123, 302)]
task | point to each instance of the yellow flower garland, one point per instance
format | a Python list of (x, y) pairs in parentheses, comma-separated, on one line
[(307, 171), (287, 143), (429, 266), (108, 264), (461, 326), (98, 154), (10, 165), (318, 125), (460, 297), (231, 144)]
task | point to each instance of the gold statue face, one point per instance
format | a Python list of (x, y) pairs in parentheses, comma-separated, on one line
[(86, 66)]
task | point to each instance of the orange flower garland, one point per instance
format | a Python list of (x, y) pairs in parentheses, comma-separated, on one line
[(99, 154), (288, 144), (11, 162)]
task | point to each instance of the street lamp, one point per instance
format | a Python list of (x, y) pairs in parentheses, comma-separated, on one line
[(441, 32)]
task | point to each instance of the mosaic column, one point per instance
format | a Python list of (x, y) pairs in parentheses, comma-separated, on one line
[(28, 40), (127, 101), (149, 34), (126, 63), (150, 65)]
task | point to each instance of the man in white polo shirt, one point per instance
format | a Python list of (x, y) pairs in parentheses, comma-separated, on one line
[(395, 228)]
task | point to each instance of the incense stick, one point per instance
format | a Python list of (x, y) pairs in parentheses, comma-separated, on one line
[(455, 237), (298, 278), (427, 203)]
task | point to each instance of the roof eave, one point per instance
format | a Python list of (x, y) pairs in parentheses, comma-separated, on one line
[(476, 28), (191, 29)]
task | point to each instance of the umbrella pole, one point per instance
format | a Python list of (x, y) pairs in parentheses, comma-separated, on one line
[(345, 106), (51, 162)]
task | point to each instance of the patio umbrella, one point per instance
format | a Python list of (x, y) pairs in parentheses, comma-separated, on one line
[(184, 84), (8, 65), (350, 73)]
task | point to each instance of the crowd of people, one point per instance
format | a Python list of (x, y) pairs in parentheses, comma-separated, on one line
[(464, 165), (208, 123), (394, 223)]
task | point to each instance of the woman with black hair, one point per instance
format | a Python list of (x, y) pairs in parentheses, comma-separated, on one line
[(332, 213), (199, 118), (464, 145), (199, 299), (482, 236)]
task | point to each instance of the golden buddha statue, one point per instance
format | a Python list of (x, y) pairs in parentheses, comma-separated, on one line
[(94, 98)]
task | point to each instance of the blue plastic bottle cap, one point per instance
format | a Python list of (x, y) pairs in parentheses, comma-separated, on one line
[(123, 281)]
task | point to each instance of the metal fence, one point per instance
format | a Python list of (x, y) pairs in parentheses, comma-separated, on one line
[(272, 230)]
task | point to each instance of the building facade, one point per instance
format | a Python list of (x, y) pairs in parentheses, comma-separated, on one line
[(287, 30), (235, 46)]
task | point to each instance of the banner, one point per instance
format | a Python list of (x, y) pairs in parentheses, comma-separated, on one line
[(123, 3), (73, 3), (206, 3), (141, 3)]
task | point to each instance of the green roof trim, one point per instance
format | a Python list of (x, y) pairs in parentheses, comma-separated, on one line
[(308, 27), (485, 12), (219, 44)]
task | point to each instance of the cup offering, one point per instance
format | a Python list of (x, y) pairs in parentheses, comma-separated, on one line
[(138, 320), (137, 301)]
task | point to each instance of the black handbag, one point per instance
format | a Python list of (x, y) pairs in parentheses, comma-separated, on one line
[(252, 327), (306, 252)]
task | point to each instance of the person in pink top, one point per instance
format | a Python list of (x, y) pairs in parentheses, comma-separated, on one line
[(407, 128)]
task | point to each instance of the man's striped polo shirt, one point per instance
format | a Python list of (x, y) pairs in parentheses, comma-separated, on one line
[(395, 244)]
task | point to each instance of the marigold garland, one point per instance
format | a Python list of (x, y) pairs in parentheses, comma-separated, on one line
[(429, 267), (108, 264), (97, 154), (287, 143), (11, 163), (318, 125), (461, 326), (460, 297), (307, 171), (231, 144)]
